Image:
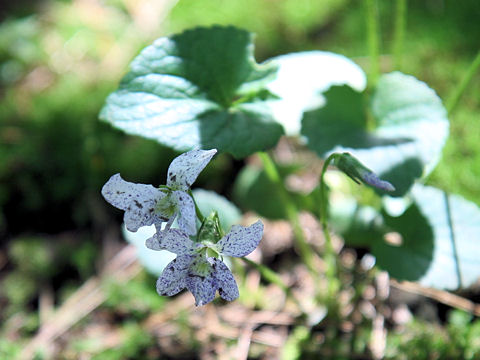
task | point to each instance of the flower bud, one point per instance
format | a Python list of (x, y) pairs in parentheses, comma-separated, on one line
[(360, 173)]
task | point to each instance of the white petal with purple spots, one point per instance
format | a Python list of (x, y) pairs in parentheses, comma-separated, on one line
[(202, 284), (241, 241), (176, 241), (153, 243), (184, 169), (137, 200), (202, 288), (227, 287), (186, 212), (174, 277)]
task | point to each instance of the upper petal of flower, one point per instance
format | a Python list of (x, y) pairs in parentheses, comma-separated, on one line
[(186, 212), (184, 169), (138, 201), (227, 287), (174, 276), (241, 241)]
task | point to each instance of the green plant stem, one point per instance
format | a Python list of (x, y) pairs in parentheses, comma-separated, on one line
[(373, 40), (305, 250), (399, 34), (268, 274), (197, 210), (330, 255), (272, 277), (453, 99)]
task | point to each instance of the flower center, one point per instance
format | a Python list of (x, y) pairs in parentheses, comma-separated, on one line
[(166, 207), (208, 249), (200, 267)]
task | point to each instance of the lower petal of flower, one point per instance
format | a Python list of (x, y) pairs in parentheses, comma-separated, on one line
[(203, 288), (227, 286), (174, 276)]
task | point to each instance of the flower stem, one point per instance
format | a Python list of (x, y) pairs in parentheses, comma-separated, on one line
[(373, 40), (268, 274), (399, 34), (197, 210), (460, 89), (330, 256), (272, 277), (291, 210)]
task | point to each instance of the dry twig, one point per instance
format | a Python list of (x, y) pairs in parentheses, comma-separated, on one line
[(441, 296)]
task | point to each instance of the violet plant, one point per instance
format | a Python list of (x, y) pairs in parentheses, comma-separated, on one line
[(202, 89)]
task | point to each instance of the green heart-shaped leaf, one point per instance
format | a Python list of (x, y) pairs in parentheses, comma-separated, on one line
[(198, 89), (440, 246)]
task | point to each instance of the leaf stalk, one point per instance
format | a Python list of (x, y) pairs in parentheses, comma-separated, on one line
[(304, 249)]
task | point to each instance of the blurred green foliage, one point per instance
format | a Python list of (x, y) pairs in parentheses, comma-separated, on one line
[(459, 339), (55, 153), (134, 345), (279, 25), (32, 256), (136, 299), (8, 349), (38, 264)]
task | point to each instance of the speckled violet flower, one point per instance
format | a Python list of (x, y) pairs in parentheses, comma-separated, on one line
[(198, 266), (146, 205)]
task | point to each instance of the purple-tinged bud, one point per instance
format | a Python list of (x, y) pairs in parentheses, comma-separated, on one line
[(373, 180), (359, 172)]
